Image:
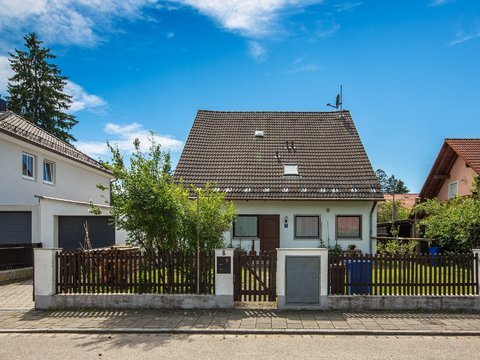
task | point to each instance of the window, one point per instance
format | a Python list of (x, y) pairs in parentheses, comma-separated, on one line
[(452, 189), (349, 227), (28, 165), (307, 227), (245, 226), (48, 171), (290, 169)]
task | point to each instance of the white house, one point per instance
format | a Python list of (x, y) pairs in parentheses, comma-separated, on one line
[(298, 179), (46, 186)]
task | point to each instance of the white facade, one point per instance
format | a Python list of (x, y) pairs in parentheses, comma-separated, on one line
[(326, 210), (74, 185)]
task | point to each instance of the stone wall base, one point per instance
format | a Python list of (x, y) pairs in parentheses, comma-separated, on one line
[(16, 274), (133, 301), (388, 303)]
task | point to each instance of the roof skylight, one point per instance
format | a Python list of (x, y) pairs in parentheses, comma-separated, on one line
[(290, 169)]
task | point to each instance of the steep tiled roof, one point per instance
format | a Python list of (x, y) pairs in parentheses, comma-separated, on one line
[(468, 150), (222, 148), (16, 126)]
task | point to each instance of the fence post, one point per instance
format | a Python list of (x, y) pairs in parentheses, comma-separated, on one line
[(476, 268), (44, 276), (224, 277)]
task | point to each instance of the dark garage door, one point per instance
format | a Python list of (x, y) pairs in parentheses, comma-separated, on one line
[(71, 233), (15, 227)]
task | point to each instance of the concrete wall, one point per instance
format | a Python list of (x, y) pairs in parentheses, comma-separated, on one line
[(16, 274), (327, 210), (463, 175)]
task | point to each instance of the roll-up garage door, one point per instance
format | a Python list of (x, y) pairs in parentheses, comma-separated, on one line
[(15, 228), (71, 233)]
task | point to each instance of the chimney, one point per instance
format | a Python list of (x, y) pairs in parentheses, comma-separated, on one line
[(3, 104)]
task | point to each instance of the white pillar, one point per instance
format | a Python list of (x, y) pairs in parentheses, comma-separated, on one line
[(44, 276), (224, 278), (476, 251)]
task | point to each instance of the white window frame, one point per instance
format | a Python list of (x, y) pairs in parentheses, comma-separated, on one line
[(450, 184), (34, 160), (53, 171), (319, 229)]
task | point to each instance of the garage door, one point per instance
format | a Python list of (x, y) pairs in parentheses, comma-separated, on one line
[(15, 227), (71, 233)]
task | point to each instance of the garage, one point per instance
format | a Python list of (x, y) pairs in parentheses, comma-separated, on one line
[(71, 233), (16, 227)]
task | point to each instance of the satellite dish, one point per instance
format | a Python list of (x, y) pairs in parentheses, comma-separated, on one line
[(337, 101)]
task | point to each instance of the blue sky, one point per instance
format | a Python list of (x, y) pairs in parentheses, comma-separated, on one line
[(410, 69)]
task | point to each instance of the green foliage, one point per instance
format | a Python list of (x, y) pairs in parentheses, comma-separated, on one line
[(335, 250), (396, 247), (385, 210), (158, 213), (36, 89), (390, 184), (454, 224)]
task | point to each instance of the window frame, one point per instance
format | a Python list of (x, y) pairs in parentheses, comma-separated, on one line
[(448, 189), (307, 237), (53, 171), (360, 232), (34, 172), (248, 236)]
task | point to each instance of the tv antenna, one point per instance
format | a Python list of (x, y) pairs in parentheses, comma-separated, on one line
[(338, 100)]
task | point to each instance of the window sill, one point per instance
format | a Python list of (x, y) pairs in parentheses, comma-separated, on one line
[(307, 238), (28, 178), (49, 183), (349, 239)]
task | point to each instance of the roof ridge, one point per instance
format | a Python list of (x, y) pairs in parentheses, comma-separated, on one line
[(271, 111)]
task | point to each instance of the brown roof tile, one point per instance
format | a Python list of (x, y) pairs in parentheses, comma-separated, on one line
[(222, 148)]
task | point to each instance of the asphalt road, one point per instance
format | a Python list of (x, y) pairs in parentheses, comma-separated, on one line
[(76, 346)]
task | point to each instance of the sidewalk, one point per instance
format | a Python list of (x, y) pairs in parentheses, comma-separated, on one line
[(240, 321)]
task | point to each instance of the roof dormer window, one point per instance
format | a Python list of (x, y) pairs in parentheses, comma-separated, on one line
[(290, 169)]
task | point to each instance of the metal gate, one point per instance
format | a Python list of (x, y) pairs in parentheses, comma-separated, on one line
[(255, 276)]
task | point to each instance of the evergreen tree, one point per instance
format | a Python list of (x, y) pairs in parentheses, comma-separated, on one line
[(390, 184), (36, 89)]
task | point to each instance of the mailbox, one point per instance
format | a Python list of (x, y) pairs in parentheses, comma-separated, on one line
[(224, 264)]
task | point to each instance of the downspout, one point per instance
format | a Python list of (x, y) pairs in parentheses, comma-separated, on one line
[(370, 245)]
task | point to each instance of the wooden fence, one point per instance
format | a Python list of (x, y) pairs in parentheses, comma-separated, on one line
[(17, 256), (404, 274), (113, 271)]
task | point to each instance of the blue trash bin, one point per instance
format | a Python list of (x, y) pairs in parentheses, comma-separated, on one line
[(434, 250), (359, 275)]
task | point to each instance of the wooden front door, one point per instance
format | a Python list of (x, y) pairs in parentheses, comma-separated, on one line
[(269, 231)]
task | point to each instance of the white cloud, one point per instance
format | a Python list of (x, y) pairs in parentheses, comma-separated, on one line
[(67, 21), (348, 6), (435, 3), (305, 68), (81, 99), (123, 136), (461, 38), (257, 51), (5, 73), (248, 17)]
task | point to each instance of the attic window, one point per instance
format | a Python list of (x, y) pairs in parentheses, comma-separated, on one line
[(290, 169), (259, 133)]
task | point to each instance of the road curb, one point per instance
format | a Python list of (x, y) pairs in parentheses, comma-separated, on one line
[(337, 332)]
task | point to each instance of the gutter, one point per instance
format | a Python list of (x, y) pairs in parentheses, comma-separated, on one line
[(41, 197)]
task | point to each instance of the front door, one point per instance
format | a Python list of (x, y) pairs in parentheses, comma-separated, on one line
[(269, 231)]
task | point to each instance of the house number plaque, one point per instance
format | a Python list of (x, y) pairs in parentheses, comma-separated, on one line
[(224, 264)]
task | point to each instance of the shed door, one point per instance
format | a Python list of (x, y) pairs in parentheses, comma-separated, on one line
[(71, 234), (15, 227)]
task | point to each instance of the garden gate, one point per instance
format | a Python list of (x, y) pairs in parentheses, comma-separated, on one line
[(254, 276)]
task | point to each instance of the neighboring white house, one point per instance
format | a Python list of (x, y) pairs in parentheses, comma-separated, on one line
[(46, 186), (298, 179)]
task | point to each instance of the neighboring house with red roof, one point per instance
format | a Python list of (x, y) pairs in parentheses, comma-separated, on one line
[(454, 170), (406, 200), (297, 178), (46, 186)]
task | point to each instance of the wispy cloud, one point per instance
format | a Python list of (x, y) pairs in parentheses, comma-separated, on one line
[(347, 6), (326, 28), (81, 99), (257, 51), (436, 3), (5, 73), (461, 38), (253, 18), (123, 136), (304, 68)]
